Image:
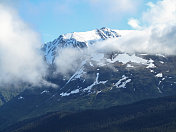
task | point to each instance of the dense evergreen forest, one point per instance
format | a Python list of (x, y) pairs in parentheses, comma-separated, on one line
[(152, 115)]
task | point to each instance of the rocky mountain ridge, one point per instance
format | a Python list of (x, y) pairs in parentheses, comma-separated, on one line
[(101, 80)]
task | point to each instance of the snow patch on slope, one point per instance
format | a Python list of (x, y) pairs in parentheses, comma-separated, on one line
[(95, 83), (68, 94), (129, 66), (79, 73), (126, 58), (122, 82), (150, 64), (159, 75), (19, 98), (45, 91)]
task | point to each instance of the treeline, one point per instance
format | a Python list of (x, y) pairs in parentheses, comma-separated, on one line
[(152, 115)]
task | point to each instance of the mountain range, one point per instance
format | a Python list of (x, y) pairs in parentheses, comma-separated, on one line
[(94, 79)]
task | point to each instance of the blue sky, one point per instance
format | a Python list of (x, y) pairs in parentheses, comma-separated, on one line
[(52, 18)]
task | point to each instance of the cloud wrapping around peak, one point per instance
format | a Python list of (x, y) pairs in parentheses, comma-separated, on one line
[(156, 34), (20, 57), (150, 41)]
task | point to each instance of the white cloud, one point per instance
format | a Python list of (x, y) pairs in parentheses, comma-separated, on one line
[(158, 34), (68, 60), (151, 41), (134, 23), (20, 57), (163, 12)]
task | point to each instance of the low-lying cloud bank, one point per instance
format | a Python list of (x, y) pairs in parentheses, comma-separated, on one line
[(151, 40), (20, 57)]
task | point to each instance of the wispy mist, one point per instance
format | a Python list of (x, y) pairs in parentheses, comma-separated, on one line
[(20, 57), (68, 60)]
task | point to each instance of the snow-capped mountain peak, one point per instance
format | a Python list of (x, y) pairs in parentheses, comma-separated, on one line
[(76, 40), (98, 34)]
